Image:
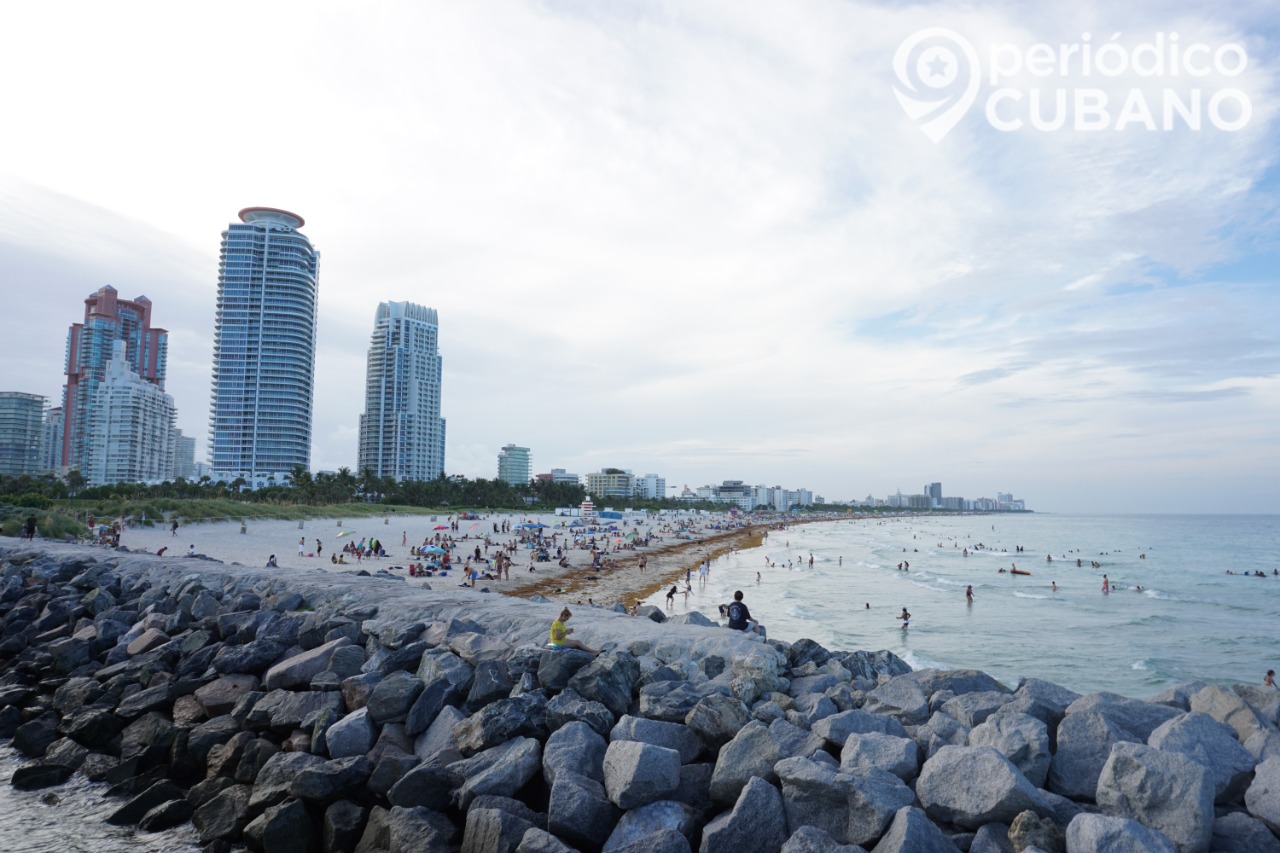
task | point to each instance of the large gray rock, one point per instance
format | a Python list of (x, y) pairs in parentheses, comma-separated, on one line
[(973, 785), (675, 736), (757, 821), (392, 698), (941, 730), (1021, 738), (973, 709), (752, 753), (636, 774), (409, 830), (912, 832), (490, 830), (556, 668), (342, 826), (502, 770), (1213, 744), (898, 755), (492, 681), (286, 827), (1239, 833), (1179, 695), (284, 710), (297, 671), (716, 719), (652, 827), (437, 740), (992, 838), (271, 787), (1138, 719), (837, 728), (224, 816), (1095, 833), (576, 748), (810, 839), (609, 679), (1263, 797), (1263, 744), (1084, 745), (1166, 791), (568, 706), (1031, 830), (1226, 706), (902, 698), (579, 810), (852, 807), (494, 724), (354, 734), (537, 840), (1262, 698), (428, 785), (332, 779)]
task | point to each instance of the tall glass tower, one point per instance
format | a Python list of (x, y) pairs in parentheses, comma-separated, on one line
[(264, 348), (401, 431)]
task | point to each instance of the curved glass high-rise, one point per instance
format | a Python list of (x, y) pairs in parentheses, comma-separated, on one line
[(264, 348), (401, 431)]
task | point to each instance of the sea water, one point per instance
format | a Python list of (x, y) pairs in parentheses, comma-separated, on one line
[(1174, 613)]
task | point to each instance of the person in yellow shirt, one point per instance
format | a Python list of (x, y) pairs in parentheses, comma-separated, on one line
[(560, 635)]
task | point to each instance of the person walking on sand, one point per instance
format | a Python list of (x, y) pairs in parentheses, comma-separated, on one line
[(560, 635), (173, 528), (671, 596), (302, 546)]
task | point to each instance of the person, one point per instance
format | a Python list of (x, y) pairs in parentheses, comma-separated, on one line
[(560, 635), (1106, 584), (173, 528), (191, 550), (968, 593), (271, 562), (671, 596), (319, 548), (30, 530), (302, 546), (160, 553), (740, 617), (906, 618), (1270, 678), (1054, 584)]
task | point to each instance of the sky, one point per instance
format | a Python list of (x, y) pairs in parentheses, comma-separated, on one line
[(706, 240)]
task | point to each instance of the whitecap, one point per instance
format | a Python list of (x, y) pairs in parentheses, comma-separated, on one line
[(1028, 595)]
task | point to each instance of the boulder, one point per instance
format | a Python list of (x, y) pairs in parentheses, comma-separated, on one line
[(502, 770), (1226, 706), (1021, 738), (752, 753), (557, 667), (352, 735), (852, 807), (1095, 833), (1031, 830), (1136, 718), (297, 671), (342, 826), (715, 719), (837, 728), (224, 816), (537, 840), (973, 785), (675, 736), (576, 748), (493, 831), (491, 681), (409, 830), (810, 839), (898, 755), (973, 709), (392, 697), (521, 716), (1238, 833), (437, 740), (912, 832), (1263, 797), (579, 810), (332, 780), (636, 774), (1202, 738), (271, 787), (758, 821), (1166, 791), (902, 698), (286, 827), (656, 827), (568, 706), (609, 679), (1084, 745)]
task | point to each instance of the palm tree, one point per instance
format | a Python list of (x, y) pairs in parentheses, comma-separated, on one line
[(75, 482)]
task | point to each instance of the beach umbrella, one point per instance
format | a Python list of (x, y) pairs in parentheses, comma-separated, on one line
[(441, 527), (434, 550)]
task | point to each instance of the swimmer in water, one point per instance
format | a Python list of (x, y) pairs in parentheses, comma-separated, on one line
[(1054, 584), (906, 618), (968, 593), (1106, 584)]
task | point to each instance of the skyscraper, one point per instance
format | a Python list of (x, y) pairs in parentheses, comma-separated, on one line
[(514, 464), (264, 348), (401, 431), (132, 437), (21, 425), (107, 319)]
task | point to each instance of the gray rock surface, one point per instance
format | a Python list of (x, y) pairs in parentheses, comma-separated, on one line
[(636, 774), (651, 827), (675, 736), (852, 807), (1202, 738), (1095, 833), (971, 786), (576, 748), (1239, 833), (1263, 797), (1226, 706), (502, 770), (1021, 738), (757, 821), (897, 755), (1166, 791), (912, 832), (579, 811)]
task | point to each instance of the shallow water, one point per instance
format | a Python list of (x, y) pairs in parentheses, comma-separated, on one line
[(1191, 620)]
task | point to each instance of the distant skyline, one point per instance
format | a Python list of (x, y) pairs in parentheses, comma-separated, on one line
[(699, 240)]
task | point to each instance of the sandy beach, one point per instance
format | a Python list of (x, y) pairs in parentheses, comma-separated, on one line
[(676, 543)]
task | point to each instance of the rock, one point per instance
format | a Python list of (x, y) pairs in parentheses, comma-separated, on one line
[(569, 706), (837, 728), (437, 740), (715, 719), (1239, 833), (636, 774), (902, 698), (556, 668), (1166, 791), (437, 695), (134, 810), (658, 827), (342, 827), (941, 730), (1022, 739), (352, 735), (166, 816), (670, 701), (1226, 706), (1263, 744), (897, 755), (1263, 797), (283, 711), (973, 785), (491, 682), (93, 727), (580, 811), (147, 739), (912, 832), (973, 709), (297, 671), (537, 840), (522, 716), (752, 753), (810, 839), (392, 698), (1179, 695), (502, 770), (150, 639), (675, 736), (33, 737), (1262, 698), (757, 821), (608, 679), (332, 779), (852, 807), (1203, 739), (493, 831), (428, 784), (40, 774), (159, 698), (992, 838), (257, 753), (252, 657), (1095, 833), (356, 689), (271, 787), (286, 828), (577, 748), (224, 816), (1031, 830), (1084, 744)]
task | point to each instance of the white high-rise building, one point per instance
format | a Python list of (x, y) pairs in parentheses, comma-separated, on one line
[(651, 487), (264, 348), (21, 424), (515, 465), (131, 428), (401, 431)]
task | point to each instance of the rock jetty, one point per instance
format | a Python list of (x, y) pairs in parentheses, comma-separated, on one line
[(301, 711)]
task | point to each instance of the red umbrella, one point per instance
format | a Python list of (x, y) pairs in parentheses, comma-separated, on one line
[(441, 527)]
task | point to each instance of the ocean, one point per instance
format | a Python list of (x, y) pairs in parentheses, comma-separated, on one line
[(1173, 615)]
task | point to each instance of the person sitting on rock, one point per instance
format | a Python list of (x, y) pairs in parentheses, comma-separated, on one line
[(560, 635), (740, 617)]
